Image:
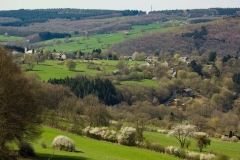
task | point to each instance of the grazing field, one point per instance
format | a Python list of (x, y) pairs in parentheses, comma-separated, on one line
[(51, 69), (103, 41), (232, 149), (89, 149), (9, 38)]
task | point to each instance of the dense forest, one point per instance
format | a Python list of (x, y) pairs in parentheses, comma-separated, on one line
[(83, 86), (92, 26), (26, 17), (193, 13), (221, 36)]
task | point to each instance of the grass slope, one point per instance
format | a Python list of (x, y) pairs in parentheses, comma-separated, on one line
[(103, 41), (229, 148), (51, 69), (89, 149), (10, 38)]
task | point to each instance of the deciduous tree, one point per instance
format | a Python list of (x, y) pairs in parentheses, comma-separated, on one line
[(181, 132), (70, 64), (19, 108), (202, 142)]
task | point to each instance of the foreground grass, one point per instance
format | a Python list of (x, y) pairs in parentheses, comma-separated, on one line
[(232, 149), (89, 149)]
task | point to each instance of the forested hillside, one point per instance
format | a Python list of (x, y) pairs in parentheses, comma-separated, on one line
[(193, 13), (221, 36), (26, 17)]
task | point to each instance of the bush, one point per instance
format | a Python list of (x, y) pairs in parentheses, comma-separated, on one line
[(127, 136), (25, 150), (171, 150), (76, 129), (225, 138), (101, 133), (63, 143), (43, 143), (198, 156), (207, 156), (153, 146), (222, 157), (192, 156), (187, 143), (234, 139)]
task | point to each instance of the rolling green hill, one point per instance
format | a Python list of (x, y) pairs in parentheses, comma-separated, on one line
[(89, 149)]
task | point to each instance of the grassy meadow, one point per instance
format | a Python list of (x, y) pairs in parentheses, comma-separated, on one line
[(232, 149), (51, 69), (90, 149), (103, 41), (10, 38)]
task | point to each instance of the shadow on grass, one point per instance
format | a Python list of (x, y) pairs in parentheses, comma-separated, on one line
[(36, 70), (77, 71), (45, 64), (58, 157)]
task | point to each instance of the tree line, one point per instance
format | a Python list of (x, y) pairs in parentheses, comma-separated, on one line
[(193, 13)]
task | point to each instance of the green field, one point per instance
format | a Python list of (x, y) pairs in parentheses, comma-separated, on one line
[(10, 38), (232, 149), (51, 69), (90, 149), (103, 41)]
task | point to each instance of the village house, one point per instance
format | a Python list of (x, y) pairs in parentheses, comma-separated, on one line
[(176, 102), (149, 64), (187, 92), (185, 60)]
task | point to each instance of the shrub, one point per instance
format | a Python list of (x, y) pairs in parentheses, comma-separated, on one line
[(207, 156), (173, 151), (63, 143), (234, 139), (75, 129), (101, 133), (25, 150), (187, 143), (222, 157), (153, 146), (162, 131), (225, 138), (43, 143), (127, 136), (192, 156)]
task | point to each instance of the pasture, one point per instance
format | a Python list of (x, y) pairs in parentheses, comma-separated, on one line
[(232, 149), (51, 69), (10, 38), (103, 41), (90, 149)]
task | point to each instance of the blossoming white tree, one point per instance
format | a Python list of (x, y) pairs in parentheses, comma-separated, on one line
[(182, 132)]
